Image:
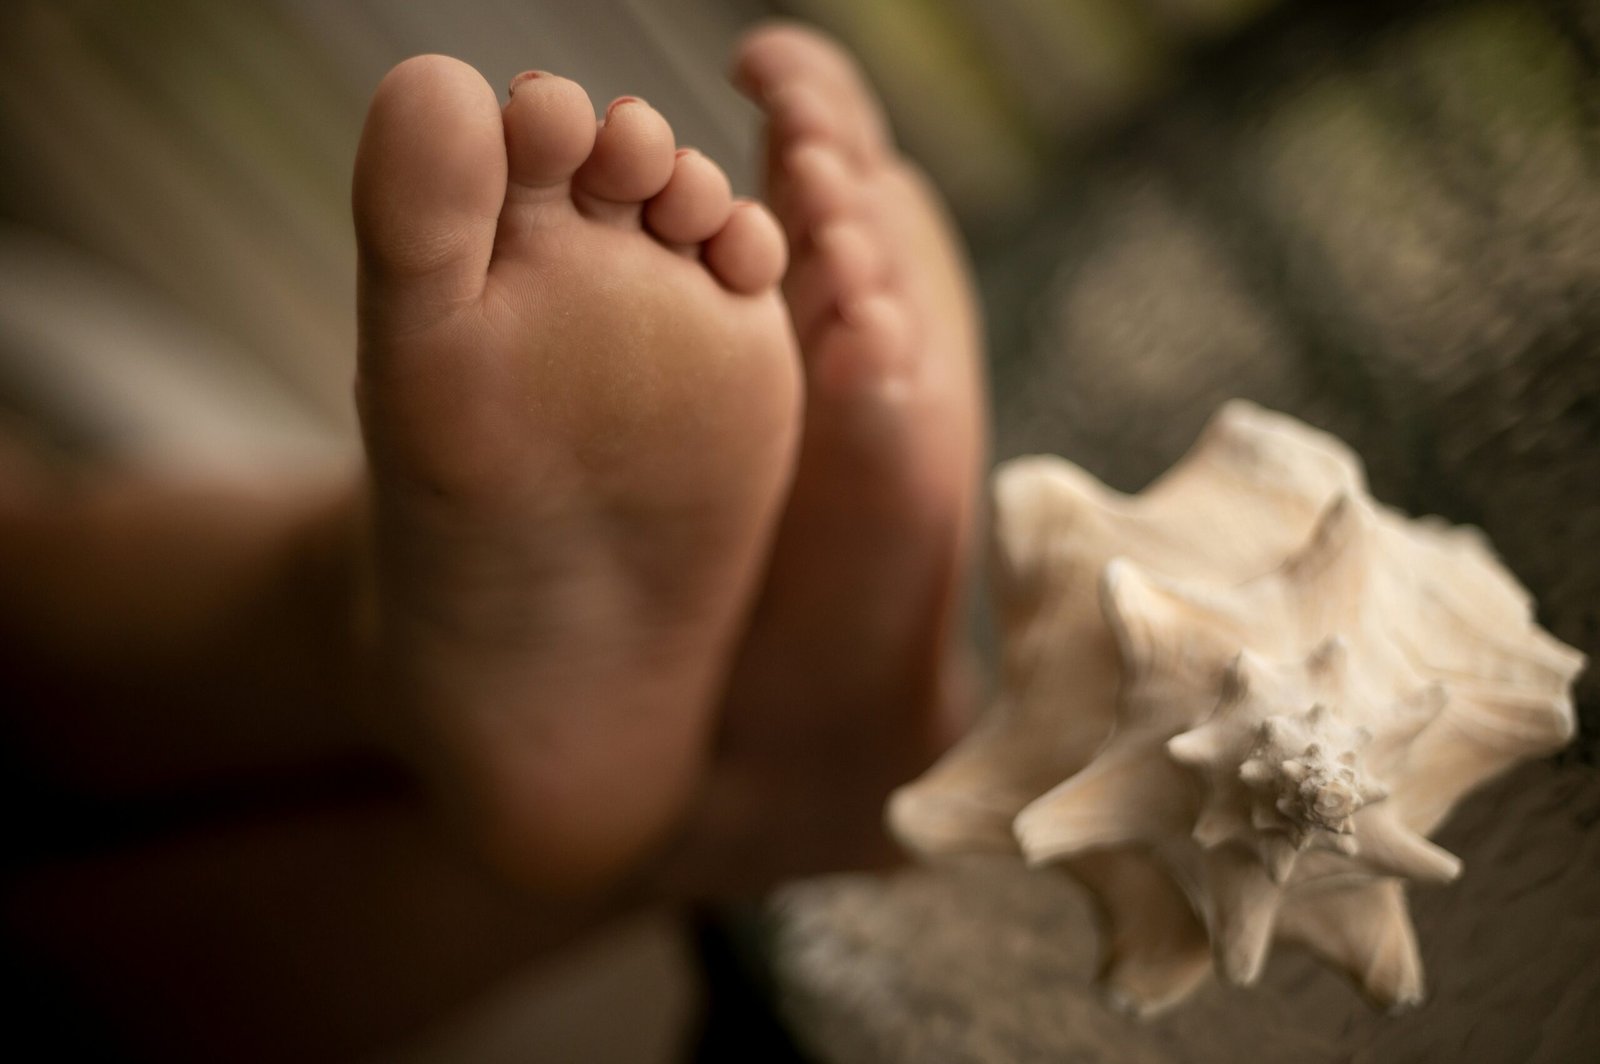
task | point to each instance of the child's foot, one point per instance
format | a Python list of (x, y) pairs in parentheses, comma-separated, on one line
[(579, 394), (849, 682)]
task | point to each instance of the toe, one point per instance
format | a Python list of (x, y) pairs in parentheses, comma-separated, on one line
[(748, 254), (798, 113), (842, 263), (863, 350), (549, 129), (695, 204), (774, 60), (632, 157), (811, 187), (430, 176)]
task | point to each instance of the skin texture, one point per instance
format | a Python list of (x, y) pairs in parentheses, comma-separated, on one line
[(851, 677), (638, 623), (578, 439)]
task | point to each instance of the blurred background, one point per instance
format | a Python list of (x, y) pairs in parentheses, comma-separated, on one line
[(176, 257), (1381, 216)]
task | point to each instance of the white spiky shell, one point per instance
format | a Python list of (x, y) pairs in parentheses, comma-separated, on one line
[(1236, 705)]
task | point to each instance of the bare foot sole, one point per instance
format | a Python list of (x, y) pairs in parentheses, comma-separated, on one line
[(848, 682), (579, 395)]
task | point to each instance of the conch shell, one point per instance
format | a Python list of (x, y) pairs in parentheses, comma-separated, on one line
[(1236, 705)]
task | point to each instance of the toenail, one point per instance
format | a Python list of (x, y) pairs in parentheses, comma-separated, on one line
[(619, 101), (527, 75)]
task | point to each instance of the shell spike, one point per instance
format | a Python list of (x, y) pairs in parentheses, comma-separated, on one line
[(1365, 930), (1388, 847), (1157, 952), (1204, 747), (1278, 856), (1036, 499), (1217, 825), (1135, 608), (1246, 673), (1244, 910), (1254, 771), (1146, 612), (1118, 799), (964, 803), (1334, 569)]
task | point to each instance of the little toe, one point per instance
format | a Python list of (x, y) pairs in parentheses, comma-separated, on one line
[(841, 264), (430, 176), (632, 158), (695, 204), (748, 254), (549, 130)]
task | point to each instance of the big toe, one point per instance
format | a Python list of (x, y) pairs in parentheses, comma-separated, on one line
[(430, 176), (811, 89)]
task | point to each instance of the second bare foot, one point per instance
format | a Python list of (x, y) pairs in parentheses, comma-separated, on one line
[(851, 678)]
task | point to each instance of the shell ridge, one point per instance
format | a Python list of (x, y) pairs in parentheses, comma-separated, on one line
[(1126, 794)]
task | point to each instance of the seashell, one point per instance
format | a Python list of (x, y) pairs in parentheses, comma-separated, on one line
[(1236, 705)]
